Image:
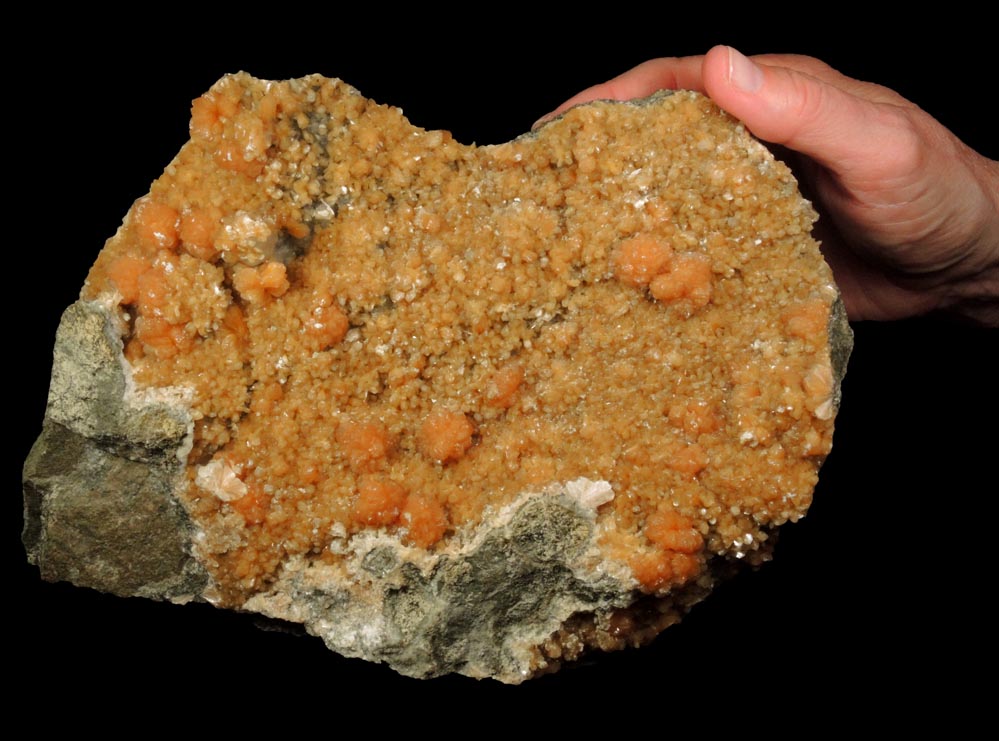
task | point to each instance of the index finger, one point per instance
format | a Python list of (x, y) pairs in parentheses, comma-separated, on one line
[(639, 82)]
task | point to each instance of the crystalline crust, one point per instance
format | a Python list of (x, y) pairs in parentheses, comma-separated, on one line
[(456, 409)]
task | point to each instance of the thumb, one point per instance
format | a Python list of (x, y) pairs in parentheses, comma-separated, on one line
[(839, 130)]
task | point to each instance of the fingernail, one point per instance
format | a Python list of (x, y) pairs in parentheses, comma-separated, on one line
[(743, 73)]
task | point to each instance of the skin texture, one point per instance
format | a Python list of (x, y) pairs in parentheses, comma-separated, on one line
[(910, 214)]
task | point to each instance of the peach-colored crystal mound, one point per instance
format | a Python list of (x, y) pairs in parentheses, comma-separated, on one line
[(456, 409)]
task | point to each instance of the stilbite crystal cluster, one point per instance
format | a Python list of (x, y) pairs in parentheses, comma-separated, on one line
[(456, 409)]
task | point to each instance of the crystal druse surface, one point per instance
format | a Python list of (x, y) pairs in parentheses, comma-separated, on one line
[(607, 352)]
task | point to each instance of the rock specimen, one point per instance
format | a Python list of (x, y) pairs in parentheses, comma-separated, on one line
[(456, 409)]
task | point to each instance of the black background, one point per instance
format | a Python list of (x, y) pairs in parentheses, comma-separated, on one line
[(879, 599)]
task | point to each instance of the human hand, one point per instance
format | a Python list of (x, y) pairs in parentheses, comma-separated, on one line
[(910, 214)]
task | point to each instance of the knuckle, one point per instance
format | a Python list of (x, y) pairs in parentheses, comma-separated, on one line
[(807, 103), (908, 148)]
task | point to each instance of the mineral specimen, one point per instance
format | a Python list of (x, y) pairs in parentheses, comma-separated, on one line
[(456, 409)]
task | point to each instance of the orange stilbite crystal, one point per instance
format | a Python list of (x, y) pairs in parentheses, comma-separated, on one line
[(572, 362)]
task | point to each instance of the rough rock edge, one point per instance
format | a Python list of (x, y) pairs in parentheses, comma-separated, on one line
[(100, 508), (101, 512), (480, 608)]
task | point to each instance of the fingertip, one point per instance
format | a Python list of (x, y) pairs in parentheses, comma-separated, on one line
[(777, 104), (740, 87), (737, 85), (543, 120), (715, 67)]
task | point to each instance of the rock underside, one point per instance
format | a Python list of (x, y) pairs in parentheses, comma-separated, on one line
[(456, 409)]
